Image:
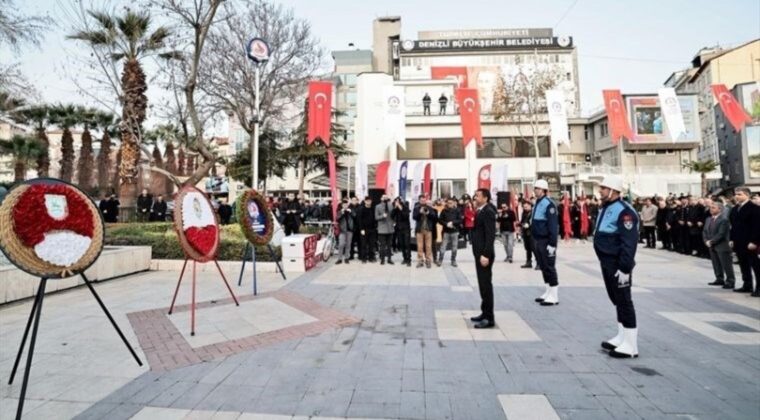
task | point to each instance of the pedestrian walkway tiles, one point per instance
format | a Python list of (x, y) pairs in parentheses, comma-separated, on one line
[(224, 329), (515, 407), (742, 299), (456, 325), (726, 328), (356, 274)]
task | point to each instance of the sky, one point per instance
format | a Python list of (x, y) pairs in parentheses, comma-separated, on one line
[(629, 45)]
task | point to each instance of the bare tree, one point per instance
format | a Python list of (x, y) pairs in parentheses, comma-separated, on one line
[(17, 30), (194, 21), (520, 99), (227, 75)]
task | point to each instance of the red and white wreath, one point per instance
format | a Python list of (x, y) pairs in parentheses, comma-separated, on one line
[(55, 221), (199, 222)]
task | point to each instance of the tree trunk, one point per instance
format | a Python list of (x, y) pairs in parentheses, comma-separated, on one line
[(19, 172), (133, 82), (703, 177), (86, 163), (301, 176), (43, 162), (67, 155)]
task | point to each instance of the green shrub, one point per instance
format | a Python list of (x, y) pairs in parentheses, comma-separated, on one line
[(164, 243)]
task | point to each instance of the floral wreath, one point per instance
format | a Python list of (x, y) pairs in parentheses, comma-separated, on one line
[(50, 228), (244, 219), (196, 224)]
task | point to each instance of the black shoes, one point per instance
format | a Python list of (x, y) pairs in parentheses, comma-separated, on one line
[(509, 260), (607, 346), (743, 290), (485, 324), (527, 265), (728, 286), (716, 283), (478, 318), (390, 261), (756, 293), (382, 261), (346, 261), (339, 262), (454, 264)]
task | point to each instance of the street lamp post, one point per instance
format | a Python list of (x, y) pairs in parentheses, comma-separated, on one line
[(258, 52)]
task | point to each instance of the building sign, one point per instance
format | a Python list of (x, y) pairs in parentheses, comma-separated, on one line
[(648, 123), (486, 33), (478, 44)]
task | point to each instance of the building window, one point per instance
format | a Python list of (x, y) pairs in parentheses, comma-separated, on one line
[(351, 79), (512, 147), (432, 149), (603, 129), (585, 133)]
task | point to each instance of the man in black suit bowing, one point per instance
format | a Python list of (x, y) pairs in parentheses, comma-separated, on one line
[(483, 236)]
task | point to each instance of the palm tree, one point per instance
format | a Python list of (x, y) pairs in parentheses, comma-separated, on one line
[(105, 122), (40, 118), (88, 117), (65, 117), (181, 161), (129, 36), (24, 151), (703, 167)]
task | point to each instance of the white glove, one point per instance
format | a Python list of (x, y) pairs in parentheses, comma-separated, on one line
[(551, 250), (623, 279)]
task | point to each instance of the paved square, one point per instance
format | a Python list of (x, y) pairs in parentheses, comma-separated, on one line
[(456, 325), (716, 326), (366, 341), (216, 324)]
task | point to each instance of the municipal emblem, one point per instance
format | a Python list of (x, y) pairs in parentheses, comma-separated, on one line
[(485, 174), (408, 45), (628, 222)]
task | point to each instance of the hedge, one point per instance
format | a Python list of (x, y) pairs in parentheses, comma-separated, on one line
[(163, 241)]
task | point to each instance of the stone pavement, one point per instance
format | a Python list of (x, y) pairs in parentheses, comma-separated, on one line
[(392, 342)]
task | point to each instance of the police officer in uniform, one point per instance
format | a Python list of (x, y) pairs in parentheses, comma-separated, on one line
[(544, 227), (615, 241)]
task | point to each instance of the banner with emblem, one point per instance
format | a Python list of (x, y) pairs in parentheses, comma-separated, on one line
[(617, 116), (484, 177), (671, 110), (731, 108), (360, 171), (392, 186), (402, 178), (394, 122), (498, 178), (417, 180), (469, 113), (555, 103), (320, 112)]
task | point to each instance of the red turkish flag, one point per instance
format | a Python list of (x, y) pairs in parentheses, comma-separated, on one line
[(484, 177), (320, 111), (469, 112), (459, 73), (731, 108), (381, 174), (332, 168), (426, 184), (617, 116)]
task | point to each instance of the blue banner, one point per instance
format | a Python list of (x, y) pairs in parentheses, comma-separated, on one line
[(402, 179)]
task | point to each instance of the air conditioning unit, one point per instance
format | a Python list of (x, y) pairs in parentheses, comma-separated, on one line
[(597, 154)]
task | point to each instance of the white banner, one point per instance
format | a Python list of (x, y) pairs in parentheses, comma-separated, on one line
[(417, 180), (555, 103), (391, 186), (394, 123), (671, 110), (360, 171), (498, 178)]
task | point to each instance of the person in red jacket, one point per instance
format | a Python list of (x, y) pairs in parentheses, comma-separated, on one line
[(469, 220)]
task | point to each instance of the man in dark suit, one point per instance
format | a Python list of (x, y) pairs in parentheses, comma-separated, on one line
[(483, 237), (715, 237), (745, 239)]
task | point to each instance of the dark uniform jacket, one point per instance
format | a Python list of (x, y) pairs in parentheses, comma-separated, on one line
[(545, 221), (617, 234), (525, 223), (484, 233)]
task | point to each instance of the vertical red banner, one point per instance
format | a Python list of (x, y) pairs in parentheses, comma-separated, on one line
[(731, 108), (617, 116), (332, 168), (484, 177), (426, 184), (469, 112), (381, 174), (320, 112), (566, 225)]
